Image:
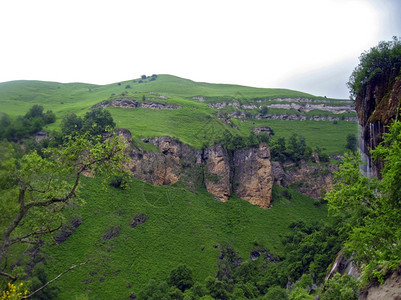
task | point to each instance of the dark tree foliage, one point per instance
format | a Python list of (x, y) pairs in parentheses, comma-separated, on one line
[(310, 249), (23, 126), (71, 123), (276, 293), (96, 121), (34, 111), (181, 277), (234, 142), (278, 149), (381, 63), (352, 142)]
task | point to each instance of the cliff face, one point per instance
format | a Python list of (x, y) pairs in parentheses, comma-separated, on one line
[(311, 180), (376, 106), (174, 161), (218, 172), (246, 171), (253, 180)]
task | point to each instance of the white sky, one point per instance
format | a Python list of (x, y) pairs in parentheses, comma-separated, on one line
[(309, 45)]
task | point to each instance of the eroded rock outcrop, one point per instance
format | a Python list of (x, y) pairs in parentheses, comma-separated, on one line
[(311, 180), (245, 171), (127, 102), (253, 180), (218, 172), (173, 162)]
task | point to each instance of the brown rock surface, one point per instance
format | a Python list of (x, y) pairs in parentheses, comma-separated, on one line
[(218, 172), (174, 161), (253, 180), (309, 179)]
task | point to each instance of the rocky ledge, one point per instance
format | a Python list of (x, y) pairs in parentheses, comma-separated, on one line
[(132, 103)]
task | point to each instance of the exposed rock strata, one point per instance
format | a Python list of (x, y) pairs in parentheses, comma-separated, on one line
[(310, 180), (126, 102), (245, 171), (174, 161), (253, 179), (287, 117), (218, 172), (304, 107)]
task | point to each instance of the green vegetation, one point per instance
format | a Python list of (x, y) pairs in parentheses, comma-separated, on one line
[(195, 123), (369, 208), (178, 226), (380, 64), (95, 122), (160, 242), (24, 126), (36, 189)]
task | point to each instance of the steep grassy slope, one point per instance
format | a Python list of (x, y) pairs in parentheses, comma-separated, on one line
[(179, 224)]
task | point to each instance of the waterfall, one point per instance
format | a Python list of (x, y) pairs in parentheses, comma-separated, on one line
[(365, 166)]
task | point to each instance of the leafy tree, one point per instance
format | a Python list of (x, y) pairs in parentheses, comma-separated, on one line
[(154, 291), (35, 190), (278, 149), (34, 112), (276, 293), (297, 149), (382, 62), (310, 249), (351, 142), (181, 277), (264, 110), (370, 210), (299, 293), (97, 120), (341, 287), (71, 123), (217, 289), (5, 121), (49, 117), (23, 126)]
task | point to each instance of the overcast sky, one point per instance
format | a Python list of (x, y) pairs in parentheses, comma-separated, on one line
[(308, 45)]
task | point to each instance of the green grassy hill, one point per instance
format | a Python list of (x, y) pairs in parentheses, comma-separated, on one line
[(180, 223), (196, 123)]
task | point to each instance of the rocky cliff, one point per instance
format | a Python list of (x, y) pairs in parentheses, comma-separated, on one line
[(312, 180), (247, 171), (253, 180), (377, 105), (218, 172)]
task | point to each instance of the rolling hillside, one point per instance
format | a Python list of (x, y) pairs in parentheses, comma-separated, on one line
[(129, 237), (197, 121)]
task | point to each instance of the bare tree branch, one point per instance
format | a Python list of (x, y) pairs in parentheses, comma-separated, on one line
[(54, 279), (13, 279), (22, 239)]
